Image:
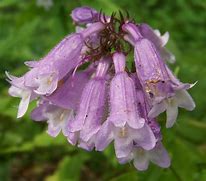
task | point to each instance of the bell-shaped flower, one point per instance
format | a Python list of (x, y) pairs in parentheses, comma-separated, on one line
[(56, 117), (43, 78), (59, 108), (45, 75), (124, 137), (87, 90), (157, 80), (144, 106), (158, 155), (124, 124), (123, 104), (84, 15), (141, 156), (181, 98), (158, 40), (67, 54), (88, 118)]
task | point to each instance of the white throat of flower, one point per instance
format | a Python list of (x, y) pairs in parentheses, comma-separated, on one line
[(46, 83), (58, 120)]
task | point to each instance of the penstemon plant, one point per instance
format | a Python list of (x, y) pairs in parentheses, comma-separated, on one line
[(85, 89)]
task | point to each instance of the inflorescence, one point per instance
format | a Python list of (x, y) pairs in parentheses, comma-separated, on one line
[(85, 89)]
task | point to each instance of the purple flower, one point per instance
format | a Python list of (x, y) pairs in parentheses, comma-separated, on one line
[(59, 108), (90, 112), (88, 88), (59, 62), (83, 15), (159, 41), (124, 123), (140, 156), (161, 86), (69, 89), (158, 155), (123, 105), (123, 138), (45, 75), (181, 98), (18, 89), (56, 117)]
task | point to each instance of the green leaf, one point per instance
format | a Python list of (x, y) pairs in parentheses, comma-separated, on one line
[(192, 130), (130, 176), (69, 168)]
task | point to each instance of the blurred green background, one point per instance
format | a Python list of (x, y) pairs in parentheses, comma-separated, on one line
[(29, 30)]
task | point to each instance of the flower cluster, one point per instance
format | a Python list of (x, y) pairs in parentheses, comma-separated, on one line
[(86, 90)]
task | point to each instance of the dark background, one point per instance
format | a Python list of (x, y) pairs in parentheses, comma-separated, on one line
[(28, 31)]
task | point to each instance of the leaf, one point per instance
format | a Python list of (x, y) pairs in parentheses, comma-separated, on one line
[(185, 159), (69, 168), (192, 130), (130, 176)]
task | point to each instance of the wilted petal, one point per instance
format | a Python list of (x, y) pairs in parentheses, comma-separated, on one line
[(165, 38), (24, 103)]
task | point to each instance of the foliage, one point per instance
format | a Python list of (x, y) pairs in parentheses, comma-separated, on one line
[(28, 31)]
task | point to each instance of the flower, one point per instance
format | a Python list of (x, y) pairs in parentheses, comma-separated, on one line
[(56, 117), (159, 41), (18, 89), (181, 98), (45, 74), (124, 123), (161, 86), (86, 89), (89, 115), (84, 15), (57, 110), (158, 155)]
